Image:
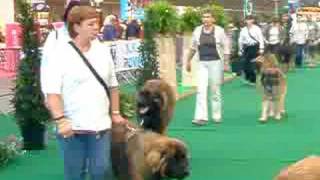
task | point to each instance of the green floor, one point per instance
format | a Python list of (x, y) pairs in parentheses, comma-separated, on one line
[(238, 149)]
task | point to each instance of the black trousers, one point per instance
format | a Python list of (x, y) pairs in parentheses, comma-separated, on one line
[(285, 53), (249, 64)]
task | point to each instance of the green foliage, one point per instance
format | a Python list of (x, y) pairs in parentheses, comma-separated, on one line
[(190, 19), (149, 55), (9, 150), (127, 105), (28, 99), (162, 17)]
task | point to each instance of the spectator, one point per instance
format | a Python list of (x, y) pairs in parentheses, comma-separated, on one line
[(251, 44), (109, 30), (273, 36), (299, 33), (133, 30)]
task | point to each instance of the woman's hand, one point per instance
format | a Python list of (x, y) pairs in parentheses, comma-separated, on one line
[(64, 127), (118, 119)]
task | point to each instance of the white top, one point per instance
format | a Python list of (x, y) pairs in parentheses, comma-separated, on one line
[(85, 101), (299, 33), (53, 40), (220, 37), (274, 35), (245, 39)]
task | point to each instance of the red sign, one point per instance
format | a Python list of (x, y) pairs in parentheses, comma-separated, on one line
[(13, 35)]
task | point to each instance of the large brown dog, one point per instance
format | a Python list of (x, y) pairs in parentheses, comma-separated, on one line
[(149, 156), (306, 169), (274, 88), (155, 105)]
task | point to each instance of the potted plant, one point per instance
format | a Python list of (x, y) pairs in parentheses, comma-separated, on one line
[(189, 20), (160, 27), (30, 112)]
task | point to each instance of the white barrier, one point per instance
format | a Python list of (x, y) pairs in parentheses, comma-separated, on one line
[(126, 58)]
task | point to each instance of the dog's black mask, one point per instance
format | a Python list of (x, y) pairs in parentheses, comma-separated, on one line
[(177, 166), (148, 110)]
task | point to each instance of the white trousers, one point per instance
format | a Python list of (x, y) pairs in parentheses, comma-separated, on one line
[(210, 74)]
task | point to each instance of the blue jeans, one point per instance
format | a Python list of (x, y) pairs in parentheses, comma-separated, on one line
[(84, 153), (300, 48)]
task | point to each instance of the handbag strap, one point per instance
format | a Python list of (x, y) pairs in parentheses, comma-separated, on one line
[(252, 37), (94, 72)]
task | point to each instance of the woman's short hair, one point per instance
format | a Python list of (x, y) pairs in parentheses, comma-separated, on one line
[(79, 14), (207, 11)]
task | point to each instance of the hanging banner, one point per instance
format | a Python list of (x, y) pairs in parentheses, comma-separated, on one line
[(133, 9), (247, 8)]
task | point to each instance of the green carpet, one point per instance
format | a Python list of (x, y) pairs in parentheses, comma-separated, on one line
[(238, 149)]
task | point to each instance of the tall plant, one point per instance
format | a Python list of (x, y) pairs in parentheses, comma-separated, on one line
[(30, 110), (190, 19), (160, 18)]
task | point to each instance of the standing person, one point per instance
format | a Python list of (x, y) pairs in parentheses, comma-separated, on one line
[(312, 43), (285, 49), (251, 45), (78, 102), (133, 30), (299, 33), (209, 40), (109, 30), (273, 36)]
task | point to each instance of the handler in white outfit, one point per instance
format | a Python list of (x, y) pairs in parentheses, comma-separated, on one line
[(209, 40)]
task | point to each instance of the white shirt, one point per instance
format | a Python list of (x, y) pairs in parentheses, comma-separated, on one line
[(299, 32), (274, 35), (53, 40), (85, 101), (246, 39)]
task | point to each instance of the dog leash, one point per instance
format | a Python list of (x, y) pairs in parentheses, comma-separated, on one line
[(131, 133)]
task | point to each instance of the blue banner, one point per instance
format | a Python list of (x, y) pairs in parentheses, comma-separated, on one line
[(132, 9)]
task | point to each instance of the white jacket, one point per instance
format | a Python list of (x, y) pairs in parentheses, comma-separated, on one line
[(222, 44)]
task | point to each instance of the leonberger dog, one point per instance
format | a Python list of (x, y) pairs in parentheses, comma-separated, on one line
[(306, 169), (274, 87), (148, 156), (155, 105)]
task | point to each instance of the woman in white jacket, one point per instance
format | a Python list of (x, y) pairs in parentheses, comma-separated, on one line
[(209, 40)]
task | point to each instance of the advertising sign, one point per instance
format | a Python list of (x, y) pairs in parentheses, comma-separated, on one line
[(13, 35), (133, 9)]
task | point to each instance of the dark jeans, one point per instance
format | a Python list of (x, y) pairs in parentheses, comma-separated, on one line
[(285, 53), (249, 64), (300, 48), (273, 48), (84, 152)]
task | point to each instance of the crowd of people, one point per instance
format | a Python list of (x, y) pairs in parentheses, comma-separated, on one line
[(286, 37), (115, 29)]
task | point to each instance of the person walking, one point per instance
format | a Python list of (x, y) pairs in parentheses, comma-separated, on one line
[(209, 41), (251, 45)]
